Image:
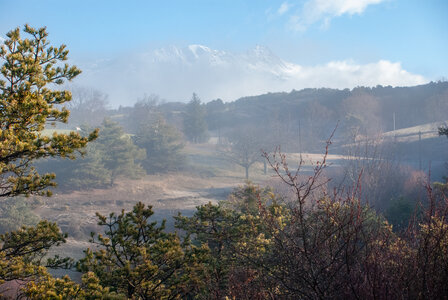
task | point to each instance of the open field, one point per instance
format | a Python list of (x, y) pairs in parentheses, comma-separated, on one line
[(411, 134), (50, 131), (168, 194), (207, 178)]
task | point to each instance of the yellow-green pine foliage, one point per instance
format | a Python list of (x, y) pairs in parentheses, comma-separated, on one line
[(138, 258), (28, 66), (49, 287), (233, 239), (23, 252)]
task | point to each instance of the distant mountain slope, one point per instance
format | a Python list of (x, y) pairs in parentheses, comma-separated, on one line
[(175, 73), (411, 134), (321, 109)]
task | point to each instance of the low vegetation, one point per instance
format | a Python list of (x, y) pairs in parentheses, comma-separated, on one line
[(362, 230), (256, 245)]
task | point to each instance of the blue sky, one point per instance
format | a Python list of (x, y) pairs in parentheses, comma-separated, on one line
[(309, 32)]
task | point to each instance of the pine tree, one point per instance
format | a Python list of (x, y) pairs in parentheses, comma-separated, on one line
[(163, 145), (28, 66), (118, 152), (138, 258), (16, 212), (112, 155), (443, 130), (195, 127), (49, 287), (24, 253), (234, 239), (85, 172)]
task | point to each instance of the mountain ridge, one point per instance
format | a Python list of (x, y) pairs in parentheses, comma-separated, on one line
[(174, 73)]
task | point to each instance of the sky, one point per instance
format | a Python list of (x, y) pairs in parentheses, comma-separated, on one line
[(410, 34)]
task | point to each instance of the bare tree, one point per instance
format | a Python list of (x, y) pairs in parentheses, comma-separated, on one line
[(362, 114), (318, 249), (89, 106), (145, 111), (243, 147), (382, 175)]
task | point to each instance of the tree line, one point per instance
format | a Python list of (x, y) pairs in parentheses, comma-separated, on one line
[(309, 243), (256, 245)]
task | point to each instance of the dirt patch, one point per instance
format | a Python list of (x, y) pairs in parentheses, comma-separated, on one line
[(167, 194)]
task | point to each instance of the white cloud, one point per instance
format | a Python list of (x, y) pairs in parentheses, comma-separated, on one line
[(284, 8), (348, 74), (339, 7), (213, 74), (314, 11)]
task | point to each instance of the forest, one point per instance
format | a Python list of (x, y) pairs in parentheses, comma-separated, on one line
[(311, 194)]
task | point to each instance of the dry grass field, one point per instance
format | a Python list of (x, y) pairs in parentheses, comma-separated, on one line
[(208, 178)]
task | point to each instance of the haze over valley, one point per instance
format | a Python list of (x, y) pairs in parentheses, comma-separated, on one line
[(269, 149), (227, 75)]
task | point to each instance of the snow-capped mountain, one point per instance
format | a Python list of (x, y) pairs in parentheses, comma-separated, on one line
[(175, 73), (258, 59)]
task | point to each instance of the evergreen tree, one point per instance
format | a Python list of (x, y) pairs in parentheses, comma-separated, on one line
[(217, 228), (49, 287), (28, 66), (234, 234), (195, 127), (24, 253), (163, 145), (138, 258), (443, 130), (112, 155), (16, 212), (119, 155), (85, 172)]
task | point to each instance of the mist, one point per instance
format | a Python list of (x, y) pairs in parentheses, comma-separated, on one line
[(174, 73), (224, 149)]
